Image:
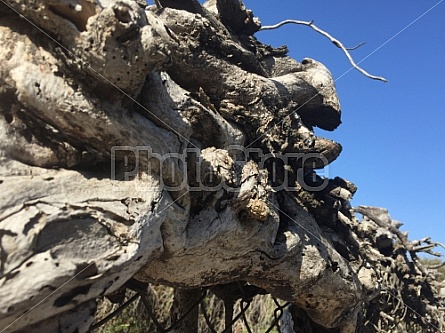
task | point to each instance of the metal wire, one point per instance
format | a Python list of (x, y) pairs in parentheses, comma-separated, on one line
[(114, 313), (391, 312)]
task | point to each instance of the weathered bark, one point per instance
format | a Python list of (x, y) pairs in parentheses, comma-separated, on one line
[(171, 146)]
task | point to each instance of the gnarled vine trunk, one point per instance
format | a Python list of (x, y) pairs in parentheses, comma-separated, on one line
[(171, 146)]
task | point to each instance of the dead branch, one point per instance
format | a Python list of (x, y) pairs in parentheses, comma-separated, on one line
[(73, 205), (335, 41), (427, 248), (355, 47)]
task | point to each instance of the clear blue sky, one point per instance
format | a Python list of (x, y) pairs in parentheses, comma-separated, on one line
[(392, 133)]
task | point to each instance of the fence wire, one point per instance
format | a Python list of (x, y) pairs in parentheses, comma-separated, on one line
[(211, 318), (242, 308)]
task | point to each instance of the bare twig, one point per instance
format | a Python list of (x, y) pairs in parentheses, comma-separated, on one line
[(355, 47), (335, 41), (420, 241), (158, 4), (418, 247), (437, 266), (423, 248)]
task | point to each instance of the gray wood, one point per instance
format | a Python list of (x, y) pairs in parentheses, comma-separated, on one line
[(98, 102)]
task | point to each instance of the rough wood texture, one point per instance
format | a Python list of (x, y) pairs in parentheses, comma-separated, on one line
[(123, 140)]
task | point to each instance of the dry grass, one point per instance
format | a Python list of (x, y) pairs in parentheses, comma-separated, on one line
[(134, 319)]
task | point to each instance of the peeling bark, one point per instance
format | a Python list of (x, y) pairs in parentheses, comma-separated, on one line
[(170, 146)]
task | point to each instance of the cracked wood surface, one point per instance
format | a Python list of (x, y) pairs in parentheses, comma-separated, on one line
[(121, 140), (87, 79)]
